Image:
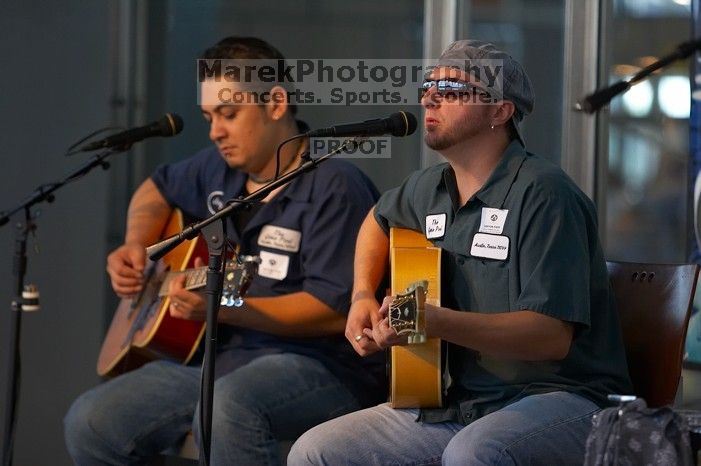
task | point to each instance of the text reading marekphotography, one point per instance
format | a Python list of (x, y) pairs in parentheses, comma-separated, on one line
[(346, 82)]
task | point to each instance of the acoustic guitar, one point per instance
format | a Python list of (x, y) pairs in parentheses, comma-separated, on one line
[(415, 369), (142, 329)]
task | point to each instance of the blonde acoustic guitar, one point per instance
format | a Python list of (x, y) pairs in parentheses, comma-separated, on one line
[(415, 369)]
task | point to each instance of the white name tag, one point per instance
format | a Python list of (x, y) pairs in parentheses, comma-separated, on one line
[(280, 238), (435, 226), (493, 220), (490, 246), (273, 265)]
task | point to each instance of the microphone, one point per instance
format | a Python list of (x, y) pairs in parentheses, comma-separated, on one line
[(593, 102), (397, 124), (170, 125)]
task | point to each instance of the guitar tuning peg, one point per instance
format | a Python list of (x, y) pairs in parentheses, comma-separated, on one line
[(229, 300)]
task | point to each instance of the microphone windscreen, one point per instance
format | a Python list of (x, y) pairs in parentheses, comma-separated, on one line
[(402, 124), (170, 125)]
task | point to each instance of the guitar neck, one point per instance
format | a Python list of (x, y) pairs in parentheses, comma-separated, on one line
[(194, 278)]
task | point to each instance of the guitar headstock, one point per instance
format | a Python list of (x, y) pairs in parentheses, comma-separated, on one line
[(406, 312), (237, 278)]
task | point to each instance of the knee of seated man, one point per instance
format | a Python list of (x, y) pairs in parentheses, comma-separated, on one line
[(234, 410), (304, 451), (476, 444), (81, 421), (234, 397)]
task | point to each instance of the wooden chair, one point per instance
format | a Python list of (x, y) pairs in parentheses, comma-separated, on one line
[(654, 304)]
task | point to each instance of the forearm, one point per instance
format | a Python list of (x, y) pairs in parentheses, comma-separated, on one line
[(371, 257), (523, 335), (293, 315), (147, 215)]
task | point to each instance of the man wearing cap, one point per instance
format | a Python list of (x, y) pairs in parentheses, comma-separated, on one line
[(532, 339)]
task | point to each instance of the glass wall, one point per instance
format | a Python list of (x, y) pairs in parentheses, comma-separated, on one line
[(533, 33), (648, 148), (644, 205)]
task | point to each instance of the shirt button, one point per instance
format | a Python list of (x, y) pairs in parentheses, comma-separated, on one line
[(461, 261)]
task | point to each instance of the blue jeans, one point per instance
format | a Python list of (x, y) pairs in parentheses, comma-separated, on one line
[(546, 429), (148, 411)]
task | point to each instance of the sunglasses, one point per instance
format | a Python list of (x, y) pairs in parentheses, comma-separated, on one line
[(451, 89)]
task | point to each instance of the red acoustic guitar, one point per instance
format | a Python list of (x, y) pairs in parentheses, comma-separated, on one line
[(142, 329)]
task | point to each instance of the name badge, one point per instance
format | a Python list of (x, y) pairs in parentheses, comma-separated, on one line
[(493, 220), (435, 226), (490, 246), (273, 265), (279, 238)]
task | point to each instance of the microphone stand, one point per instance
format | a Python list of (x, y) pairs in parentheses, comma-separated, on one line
[(593, 102), (24, 298), (215, 236), (19, 267)]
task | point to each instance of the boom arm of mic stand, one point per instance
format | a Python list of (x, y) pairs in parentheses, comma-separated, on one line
[(596, 100), (45, 192), (160, 249)]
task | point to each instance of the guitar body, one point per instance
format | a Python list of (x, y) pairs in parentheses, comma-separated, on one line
[(142, 329), (415, 370)]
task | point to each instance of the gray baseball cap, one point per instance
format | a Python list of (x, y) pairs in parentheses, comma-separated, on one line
[(495, 71)]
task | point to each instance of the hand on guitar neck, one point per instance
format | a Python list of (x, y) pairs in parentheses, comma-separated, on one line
[(401, 318), (382, 334), (185, 304), (407, 312)]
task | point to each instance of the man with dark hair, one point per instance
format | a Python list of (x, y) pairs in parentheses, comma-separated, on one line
[(532, 338), (250, 51), (283, 365)]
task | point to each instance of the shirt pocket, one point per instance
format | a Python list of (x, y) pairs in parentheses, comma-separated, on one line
[(488, 285)]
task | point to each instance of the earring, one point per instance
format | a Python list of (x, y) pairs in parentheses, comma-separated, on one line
[(492, 126)]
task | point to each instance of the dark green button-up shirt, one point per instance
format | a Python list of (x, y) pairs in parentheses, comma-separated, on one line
[(544, 256)]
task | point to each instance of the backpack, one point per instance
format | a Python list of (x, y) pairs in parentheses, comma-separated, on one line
[(633, 434)]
